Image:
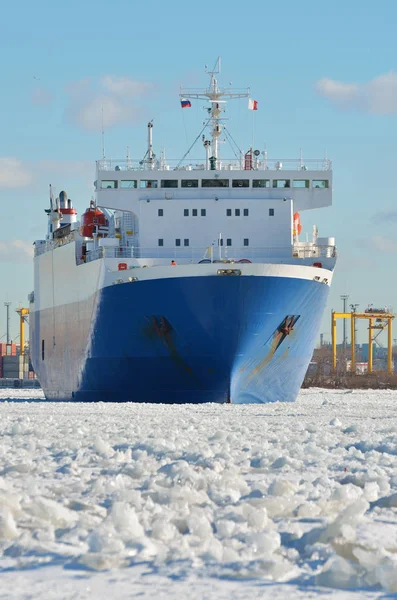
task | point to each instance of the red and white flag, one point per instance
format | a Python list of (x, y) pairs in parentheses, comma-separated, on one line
[(252, 104)]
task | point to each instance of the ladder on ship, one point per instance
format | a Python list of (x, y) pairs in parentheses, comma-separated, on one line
[(129, 234)]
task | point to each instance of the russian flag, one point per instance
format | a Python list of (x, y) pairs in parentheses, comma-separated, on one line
[(186, 103), (252, 104)]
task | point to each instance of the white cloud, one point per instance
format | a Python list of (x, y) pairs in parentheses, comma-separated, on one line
[(124, 85), (87, 113), (116, 98), (377, 96), (14, 173), (16, 251), (41, 96), (81, 86), (383, 243)]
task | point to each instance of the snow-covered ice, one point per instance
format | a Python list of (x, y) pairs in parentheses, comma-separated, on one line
[(209, 501)]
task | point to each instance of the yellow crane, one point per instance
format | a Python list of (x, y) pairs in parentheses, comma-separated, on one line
[(23, 313), (376, 321)]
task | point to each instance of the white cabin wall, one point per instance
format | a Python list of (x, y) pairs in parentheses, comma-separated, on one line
[(261, 229)]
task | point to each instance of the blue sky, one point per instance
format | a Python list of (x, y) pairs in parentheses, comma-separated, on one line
[(323, 74)]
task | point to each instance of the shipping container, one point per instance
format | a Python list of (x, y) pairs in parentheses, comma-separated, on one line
[(10, 360), (8, 349)]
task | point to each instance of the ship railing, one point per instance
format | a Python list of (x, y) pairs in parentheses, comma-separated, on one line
[(104, 252), (43, 246), (223, 164), (195, 254), (314, 251), (214, 253), (93, 255)]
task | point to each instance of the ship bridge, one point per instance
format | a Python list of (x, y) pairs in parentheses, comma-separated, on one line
[(308, 184)]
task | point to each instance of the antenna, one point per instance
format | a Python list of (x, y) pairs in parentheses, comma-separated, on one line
[(103, 137), (214, 95), (51, 198), (217, 67), (150, 140), (7, 305)]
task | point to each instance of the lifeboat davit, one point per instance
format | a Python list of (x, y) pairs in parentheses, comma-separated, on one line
[(92, 220)]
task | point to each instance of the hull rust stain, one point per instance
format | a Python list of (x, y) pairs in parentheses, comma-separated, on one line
[(160, 328), (285, 329)]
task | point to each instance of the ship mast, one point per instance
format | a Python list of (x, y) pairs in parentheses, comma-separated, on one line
[(215, 96)]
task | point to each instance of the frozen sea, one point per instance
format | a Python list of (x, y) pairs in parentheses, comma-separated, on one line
[(281, 501)]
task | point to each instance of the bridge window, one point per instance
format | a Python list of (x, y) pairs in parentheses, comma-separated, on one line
[(237, 212), (185, 242), (148, 183), (42, 349), (161, 242), (109, 185), (228, 242), (240, 183), (194, 212), (128, 184), (189, 183), (186, 212), (203, 212), (261, 183), (246, 212), (177, 242), (301, 183), (271, 212), (215, 183), (246, 242), (228, 212), (160, 212), (169, 183), (281, 183), (320, 183)]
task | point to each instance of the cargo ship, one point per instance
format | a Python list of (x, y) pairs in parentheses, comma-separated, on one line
[(184, 281)]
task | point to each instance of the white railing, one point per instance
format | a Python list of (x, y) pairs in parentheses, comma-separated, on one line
[(223, 164), (195, 255), (47, 245), (314, 251)]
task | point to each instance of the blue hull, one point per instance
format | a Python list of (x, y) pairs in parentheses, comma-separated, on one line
[(242, 339)]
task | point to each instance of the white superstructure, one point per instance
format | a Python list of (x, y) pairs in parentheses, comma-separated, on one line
[(207, 208)]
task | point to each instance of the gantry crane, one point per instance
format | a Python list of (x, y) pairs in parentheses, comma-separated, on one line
[(23, 314), (378, 320)]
